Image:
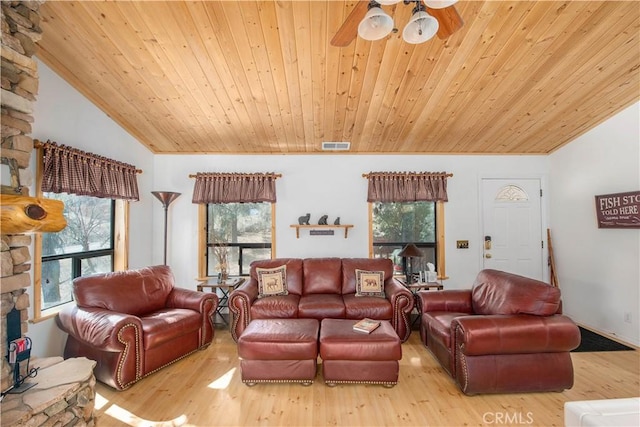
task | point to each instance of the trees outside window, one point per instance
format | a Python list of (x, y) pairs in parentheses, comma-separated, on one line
[(394, 225), (242, 230), (85, 246)]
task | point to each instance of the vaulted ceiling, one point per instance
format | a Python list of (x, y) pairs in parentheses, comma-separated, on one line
[(521, 77)]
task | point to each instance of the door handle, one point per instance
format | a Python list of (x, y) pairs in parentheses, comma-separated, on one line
[(487, 255)]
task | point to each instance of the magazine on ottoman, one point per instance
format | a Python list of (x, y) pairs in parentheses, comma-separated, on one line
[(366, 325)]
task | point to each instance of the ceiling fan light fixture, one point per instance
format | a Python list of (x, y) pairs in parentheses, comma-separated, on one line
[(439, 4), (375, 25), (421, 27)]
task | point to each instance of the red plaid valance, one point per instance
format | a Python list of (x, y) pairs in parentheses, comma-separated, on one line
[(407, 186), (69, 170), (234, 187)]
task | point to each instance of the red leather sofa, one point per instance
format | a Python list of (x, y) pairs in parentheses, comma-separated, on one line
[(320, 288), (504, 335), (134, 323)]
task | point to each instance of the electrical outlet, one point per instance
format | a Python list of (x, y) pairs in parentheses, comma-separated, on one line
[(462, 244), (627, 317)]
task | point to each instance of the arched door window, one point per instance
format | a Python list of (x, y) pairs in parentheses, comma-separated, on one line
[(511, 193)]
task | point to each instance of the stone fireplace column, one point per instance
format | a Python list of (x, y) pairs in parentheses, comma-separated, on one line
[(20, 22)]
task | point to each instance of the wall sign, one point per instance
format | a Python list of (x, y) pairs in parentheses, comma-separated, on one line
[(321, 232), (620, 210)]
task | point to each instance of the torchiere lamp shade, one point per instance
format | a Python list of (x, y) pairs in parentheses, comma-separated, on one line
[(166, 197)]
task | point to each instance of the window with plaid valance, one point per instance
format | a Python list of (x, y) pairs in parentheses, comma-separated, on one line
[(69, 170), (407, 186), (234, 187)]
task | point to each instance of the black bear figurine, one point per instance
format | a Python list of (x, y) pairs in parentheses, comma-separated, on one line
[(323, 220), (337, 221), (304, 220)]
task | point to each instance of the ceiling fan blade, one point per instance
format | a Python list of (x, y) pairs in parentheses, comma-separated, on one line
[(349, 29), (449, 19)]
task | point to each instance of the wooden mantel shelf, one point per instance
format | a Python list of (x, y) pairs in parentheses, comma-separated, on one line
[(23, 214), (317, 227)]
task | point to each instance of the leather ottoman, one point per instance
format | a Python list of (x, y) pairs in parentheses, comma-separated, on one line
[(355, 357), (279, 350)]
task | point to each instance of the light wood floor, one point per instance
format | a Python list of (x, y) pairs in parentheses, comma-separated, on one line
[(205, 390)]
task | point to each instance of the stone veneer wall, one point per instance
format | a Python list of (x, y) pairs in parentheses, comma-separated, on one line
[(20, 22)]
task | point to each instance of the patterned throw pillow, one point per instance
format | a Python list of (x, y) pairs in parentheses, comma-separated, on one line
[(272, 281), (370, 283)]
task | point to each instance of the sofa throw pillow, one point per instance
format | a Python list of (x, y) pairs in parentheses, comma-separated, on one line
[(272, 281), (370, 283)]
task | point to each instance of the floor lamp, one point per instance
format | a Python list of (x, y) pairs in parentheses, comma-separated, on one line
[(166, 197)]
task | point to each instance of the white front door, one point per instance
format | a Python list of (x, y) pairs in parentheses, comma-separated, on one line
[(512, 226)]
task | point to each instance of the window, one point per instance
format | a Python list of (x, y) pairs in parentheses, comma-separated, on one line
[(59, 257), (85, 246), (394, 225), (408, 207), (244, 229)]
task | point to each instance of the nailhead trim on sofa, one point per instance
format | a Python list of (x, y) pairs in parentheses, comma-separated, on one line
[(125, 353)]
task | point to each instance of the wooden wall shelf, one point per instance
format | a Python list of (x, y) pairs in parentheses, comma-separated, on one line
[(318, 227)]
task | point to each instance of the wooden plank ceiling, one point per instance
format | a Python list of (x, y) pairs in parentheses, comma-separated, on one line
[(521, 77)]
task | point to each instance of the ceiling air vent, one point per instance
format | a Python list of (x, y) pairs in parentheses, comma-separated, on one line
[(336, 146)]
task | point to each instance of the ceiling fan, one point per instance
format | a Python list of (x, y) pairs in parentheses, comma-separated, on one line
[(429, 17)]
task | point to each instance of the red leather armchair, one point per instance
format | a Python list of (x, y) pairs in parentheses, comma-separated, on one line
[(504, 335), (134, 323), (320, 288)]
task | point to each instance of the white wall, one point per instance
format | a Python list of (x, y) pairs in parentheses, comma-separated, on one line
[(333, 185), (65, 116), (598, 269)]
